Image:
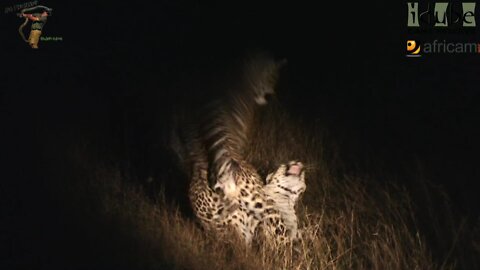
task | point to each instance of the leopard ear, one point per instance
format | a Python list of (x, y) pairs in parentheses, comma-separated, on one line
[(302, 176), (269, 178)]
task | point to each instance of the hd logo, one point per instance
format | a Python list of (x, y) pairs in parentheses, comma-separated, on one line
[(413, 49)]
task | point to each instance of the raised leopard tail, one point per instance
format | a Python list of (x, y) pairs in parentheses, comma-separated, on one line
[(227, 127)]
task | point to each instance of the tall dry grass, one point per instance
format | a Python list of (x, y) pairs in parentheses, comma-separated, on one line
[(348, 221)]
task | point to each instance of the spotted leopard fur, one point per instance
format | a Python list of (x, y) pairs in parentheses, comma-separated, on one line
[(285, 187), (238, 198)]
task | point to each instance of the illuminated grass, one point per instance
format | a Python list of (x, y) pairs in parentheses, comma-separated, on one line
[(347, 222)]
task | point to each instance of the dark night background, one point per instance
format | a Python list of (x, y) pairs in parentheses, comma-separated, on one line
[(122, 61)]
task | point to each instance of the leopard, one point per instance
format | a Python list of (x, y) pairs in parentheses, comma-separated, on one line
[(243, 212), (225, 190), (275, 202), (285, 187)]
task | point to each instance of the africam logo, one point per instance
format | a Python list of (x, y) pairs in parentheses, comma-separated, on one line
[(413, 49)]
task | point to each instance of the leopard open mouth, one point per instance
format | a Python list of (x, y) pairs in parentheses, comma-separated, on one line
[(294, 168)]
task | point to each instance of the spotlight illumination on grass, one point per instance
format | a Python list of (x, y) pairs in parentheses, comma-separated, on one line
[(347, 221)]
